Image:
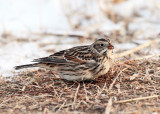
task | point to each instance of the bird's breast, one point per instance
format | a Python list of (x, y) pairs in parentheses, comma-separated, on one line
[(104, 67)]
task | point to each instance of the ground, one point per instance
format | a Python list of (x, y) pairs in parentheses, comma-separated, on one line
[(129, 87)]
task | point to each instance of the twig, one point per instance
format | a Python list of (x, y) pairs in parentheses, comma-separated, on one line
[(110, 87), (62, 34), (99, 93), (87, 99), (61, 106), (147, 57), (75, 96), (136, 49), (109, 106), (137, 99)]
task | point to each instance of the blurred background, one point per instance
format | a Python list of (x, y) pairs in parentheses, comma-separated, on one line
[(37, 28)]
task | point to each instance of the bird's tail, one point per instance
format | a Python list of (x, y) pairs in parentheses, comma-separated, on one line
[(25, 66)]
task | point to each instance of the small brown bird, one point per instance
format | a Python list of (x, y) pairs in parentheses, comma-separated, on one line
[(79, 63)]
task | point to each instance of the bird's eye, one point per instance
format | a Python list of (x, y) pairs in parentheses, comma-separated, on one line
[(101, 44)]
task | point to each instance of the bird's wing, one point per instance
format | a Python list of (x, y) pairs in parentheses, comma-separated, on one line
[(80, 54), (54, 58), (49, 60)]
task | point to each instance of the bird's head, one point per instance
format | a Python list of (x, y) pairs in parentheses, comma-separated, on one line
[(103, 46)]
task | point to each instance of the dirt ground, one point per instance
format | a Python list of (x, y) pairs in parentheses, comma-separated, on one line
[(129, 87)]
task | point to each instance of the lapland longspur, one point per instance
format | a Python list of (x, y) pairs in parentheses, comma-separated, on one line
[(79, 63)]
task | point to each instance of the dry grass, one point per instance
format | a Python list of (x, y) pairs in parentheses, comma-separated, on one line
[(129, 87)]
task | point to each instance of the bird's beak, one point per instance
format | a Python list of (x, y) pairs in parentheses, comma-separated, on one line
[(110, 46)]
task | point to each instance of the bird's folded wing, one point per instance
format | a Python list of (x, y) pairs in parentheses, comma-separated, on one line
[(73, 55), (80, 55), (50, 60), (74, 59)]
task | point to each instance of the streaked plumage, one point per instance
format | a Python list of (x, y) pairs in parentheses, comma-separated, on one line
[(79, 63)]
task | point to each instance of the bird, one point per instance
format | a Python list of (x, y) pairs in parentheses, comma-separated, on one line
[(78, 63)]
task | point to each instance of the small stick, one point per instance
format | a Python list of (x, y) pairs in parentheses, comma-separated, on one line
[(147, 57), (109, 106), (110, 87), (137, 99), (87, 99), (99, 93), (62, 34), (137, 48), (75, 96)]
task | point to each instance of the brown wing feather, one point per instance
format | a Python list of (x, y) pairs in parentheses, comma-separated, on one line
[(74, 59), (79, 54)]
